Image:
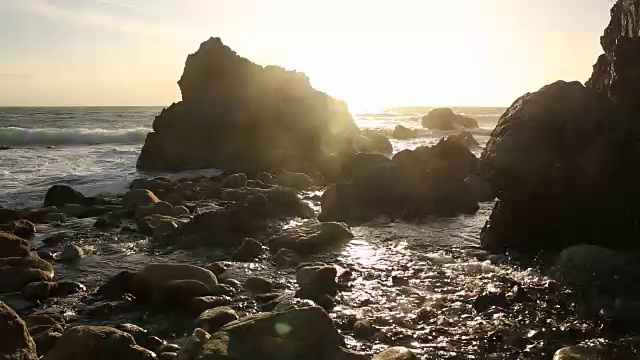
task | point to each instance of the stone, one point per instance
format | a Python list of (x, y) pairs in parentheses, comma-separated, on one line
[(396, 353), (194, 344), (465, 138), (258, 285), (67, 287), (16, 342), (15, 278), (97, 343), (73, 210), (179, 211), (362, 330), (13, 246), (305, 333), (248, 250), (217, 268), (241, 117), (315, 280), (107, 310), (200, 304), (553, 154), (39, 319), (178, 293), (32, 262), (298, 181), (23, 228), (154, 276), (152, 343), (222, 290), (158, 225), (404, 133), (139, 197), (234, 181), (446, 119), (159, 208), (172, 348), (427, 181), (595, 351), (285, 258), (55, 217), (60, 195), (117, 286), (372, 141), (46, 341), (311, 238), (213, 319), (168, 356), (38, 290), (71, 253), (480, 188)]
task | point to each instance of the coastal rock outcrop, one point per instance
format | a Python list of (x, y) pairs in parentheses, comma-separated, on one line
[(243, 117), (446, 119), (16, 342), (413, 184)]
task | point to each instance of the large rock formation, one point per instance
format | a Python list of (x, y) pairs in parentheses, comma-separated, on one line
[(445, 119), (241, 116), (562, 160)]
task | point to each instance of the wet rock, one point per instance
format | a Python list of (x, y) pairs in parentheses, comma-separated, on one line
[(413, 185), (180, 211), (311, 238), (97, 343), (346, 354), (203, 130), (480, 188), (107, 222), (158, 225), (446, 119), (13, 246), (15, 278), (55, 217), (67, 287), (73, 210), (288, 302), (153, 277), (32, 262), (285, 258), (16, 342), (234, 181), (23, 228), (46, 341), (598, 270), (486, 301), (200, 304), (222, 290), (396, 353), (315, 280), (152, 343), (117, 286), (310, 334), (71, 253), (107, 310), (465, 138), (596, 351), (194, 345), (294, 180), (155, 185), (17, 301), (50, 320), (178, 293), (44, 328), (168, 356), (403, 132), (213, 319), (60, 195), (38, 290), (159, 208), (325, 301), (139, 197), (8, 215), (362, 330), (217, 268), (248, 250), (257, 285), (172, 348), (267, 178), (231, 282)]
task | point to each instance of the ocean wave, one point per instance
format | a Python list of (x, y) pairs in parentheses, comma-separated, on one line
[(16, 136)]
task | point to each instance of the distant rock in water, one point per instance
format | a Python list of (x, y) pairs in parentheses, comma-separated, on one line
[(560, 159), (403, 132), (446, 119), (243, 117)]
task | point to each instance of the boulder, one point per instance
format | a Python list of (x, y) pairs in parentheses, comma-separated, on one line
[(373, 141), (97, 343), (153, 277), (404, 133), (310, 238), (248, 250), (242, 117), (258, 285), (466, 138), (60, 195), (234, 181), (23, 228), (139, 197), (396, 353), (13, 246), (178, 293), (55, 217), (117, 286), (159, 208), (32, 261), (46, 341), (200, 304), (71, 252), (414, 184), (315, 280), (559, 161), (158, 225), (305, 333), (446, 119), (213, 319), (16, 342), (294, 180)]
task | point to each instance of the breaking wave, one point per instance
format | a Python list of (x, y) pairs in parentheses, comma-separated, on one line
[(16, 136)]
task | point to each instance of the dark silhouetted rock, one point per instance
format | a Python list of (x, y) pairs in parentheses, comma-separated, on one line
[(446, 119), (23, 228), (414, 184), (152, 278), (242, 117), (559, 161), (16, 343), (403, 132), (311, 238), (59, 195)]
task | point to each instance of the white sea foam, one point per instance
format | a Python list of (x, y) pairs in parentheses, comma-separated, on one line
[(16, 136)]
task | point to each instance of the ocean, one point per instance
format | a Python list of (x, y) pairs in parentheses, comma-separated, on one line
[(94, 149)]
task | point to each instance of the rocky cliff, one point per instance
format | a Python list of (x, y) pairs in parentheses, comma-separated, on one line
[(240, 116)]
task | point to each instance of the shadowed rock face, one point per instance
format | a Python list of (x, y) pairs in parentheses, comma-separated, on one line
[(240, 116), (616, 74)]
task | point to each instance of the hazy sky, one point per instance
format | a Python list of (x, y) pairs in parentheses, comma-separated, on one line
[(368, 52)]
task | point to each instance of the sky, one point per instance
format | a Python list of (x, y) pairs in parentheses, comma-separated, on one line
[(371, 53)]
